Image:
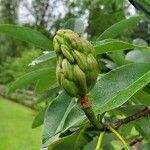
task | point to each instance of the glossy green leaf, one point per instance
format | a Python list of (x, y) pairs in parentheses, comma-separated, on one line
[(39, 118), (115, 45), (129, 110), (119, 27), (75, 117), (45, 83), (33, 77), (49, 94), (92, 144), (45, 57), (56, 118), (74, 141), (27, 35), (147, 88), (143, 126), (117, 86), (106, 143), (118, 57), (126, 130), (97, 43), (141, 97)]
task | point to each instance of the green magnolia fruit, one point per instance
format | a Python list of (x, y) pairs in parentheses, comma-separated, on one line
[(77, 68)]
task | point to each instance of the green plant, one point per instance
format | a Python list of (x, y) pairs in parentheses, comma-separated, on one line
[(119, 99), (13, 68)]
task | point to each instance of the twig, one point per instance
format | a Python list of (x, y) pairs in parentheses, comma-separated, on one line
[(138, 139), (137, 115), (142, 113), (86, 107), (135, 141)]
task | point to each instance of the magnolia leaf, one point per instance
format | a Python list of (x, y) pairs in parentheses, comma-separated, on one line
[(115, 45), (117, 86), (73, 141), (39, 118), (143, 126), (118, 58), (33, 77), (49, 94), (119, 27), (141, 97), (28, 35), (57, 113), (45, 57)]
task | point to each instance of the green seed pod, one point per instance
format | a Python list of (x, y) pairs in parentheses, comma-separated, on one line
[(77, 68)]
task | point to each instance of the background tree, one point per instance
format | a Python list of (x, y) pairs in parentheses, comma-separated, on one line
[(8, 15)]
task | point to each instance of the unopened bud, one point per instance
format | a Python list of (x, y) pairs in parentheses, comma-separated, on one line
[(77, 68)]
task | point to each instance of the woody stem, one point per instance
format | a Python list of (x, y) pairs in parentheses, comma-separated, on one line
[(87, 108)]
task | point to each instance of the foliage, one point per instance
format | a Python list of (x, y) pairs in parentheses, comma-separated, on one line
[(26, 34), (13, 68), (65, 124)]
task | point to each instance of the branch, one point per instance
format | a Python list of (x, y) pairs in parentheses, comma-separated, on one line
[(142, 113), (86, 105), (137, 115), (137, 140)]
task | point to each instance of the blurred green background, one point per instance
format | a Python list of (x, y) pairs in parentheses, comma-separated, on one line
[(15, 127)]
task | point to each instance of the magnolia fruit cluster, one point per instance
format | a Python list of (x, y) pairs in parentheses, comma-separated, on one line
[(77, 68)]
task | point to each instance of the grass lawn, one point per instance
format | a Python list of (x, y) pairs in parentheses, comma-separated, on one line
[(15, 127)]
